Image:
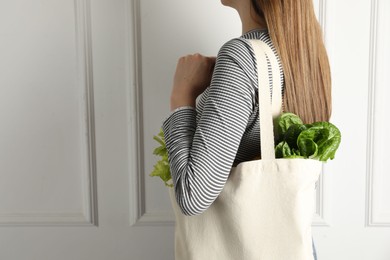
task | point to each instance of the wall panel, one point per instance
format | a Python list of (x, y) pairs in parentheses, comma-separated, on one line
[(47, 156), (378, 212)]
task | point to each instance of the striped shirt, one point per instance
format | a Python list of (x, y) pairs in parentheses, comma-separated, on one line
[(203, 143)]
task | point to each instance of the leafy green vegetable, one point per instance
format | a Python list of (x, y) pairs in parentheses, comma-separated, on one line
[(161, 168), (285, 120), (307, 146), (328, 141), (292, 134), (318, 140), (282, 149)]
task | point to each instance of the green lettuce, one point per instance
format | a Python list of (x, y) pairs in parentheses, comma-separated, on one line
[(285, 120), (319, 140), (161, 168)]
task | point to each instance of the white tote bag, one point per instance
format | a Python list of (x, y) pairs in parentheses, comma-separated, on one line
[(265, 209)]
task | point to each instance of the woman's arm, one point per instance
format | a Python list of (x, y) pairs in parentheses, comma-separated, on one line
[(201, 155)]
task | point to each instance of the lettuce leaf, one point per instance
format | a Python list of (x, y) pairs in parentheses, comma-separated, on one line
[(318, 140), (284, 121), (282, 150), (328, 140), (292, 133), (161, 168)]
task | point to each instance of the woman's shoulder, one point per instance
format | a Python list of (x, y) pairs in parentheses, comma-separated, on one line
[(237, 54), (238, 48), (239, 51)]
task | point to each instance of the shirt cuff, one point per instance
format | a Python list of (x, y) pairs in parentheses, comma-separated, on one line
[(178, 109), (179, 129)]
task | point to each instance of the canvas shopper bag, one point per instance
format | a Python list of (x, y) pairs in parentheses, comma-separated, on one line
[(265, 209)]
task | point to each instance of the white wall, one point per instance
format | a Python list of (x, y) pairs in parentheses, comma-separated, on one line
[(84, 85)]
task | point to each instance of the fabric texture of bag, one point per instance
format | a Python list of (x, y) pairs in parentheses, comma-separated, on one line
[(265, 209)]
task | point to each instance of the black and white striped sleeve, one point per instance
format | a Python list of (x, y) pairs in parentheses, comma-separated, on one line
[(202, 153)]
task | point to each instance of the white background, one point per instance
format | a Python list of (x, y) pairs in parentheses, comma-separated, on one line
[(84, 86)]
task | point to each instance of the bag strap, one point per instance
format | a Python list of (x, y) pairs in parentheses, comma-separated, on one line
[(267, 112)]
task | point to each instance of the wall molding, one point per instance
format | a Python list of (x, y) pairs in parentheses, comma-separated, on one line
[(138, 214), (137, 173), (372, 216), (84, 48), (44, 219), (320, 218), (88, 215), (322, 15), (370, 119), (157, 218)]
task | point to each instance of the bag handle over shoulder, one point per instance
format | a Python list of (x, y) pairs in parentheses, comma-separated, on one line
[(267, 112)]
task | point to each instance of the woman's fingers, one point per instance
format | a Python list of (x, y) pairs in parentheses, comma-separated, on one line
[(193, 73)]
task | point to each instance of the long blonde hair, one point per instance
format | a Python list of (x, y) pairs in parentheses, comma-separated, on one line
[(297, 37)]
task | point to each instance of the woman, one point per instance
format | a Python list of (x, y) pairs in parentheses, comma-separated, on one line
[(205, 139)]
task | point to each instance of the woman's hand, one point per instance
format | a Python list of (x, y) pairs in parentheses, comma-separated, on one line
[(192, 77)]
